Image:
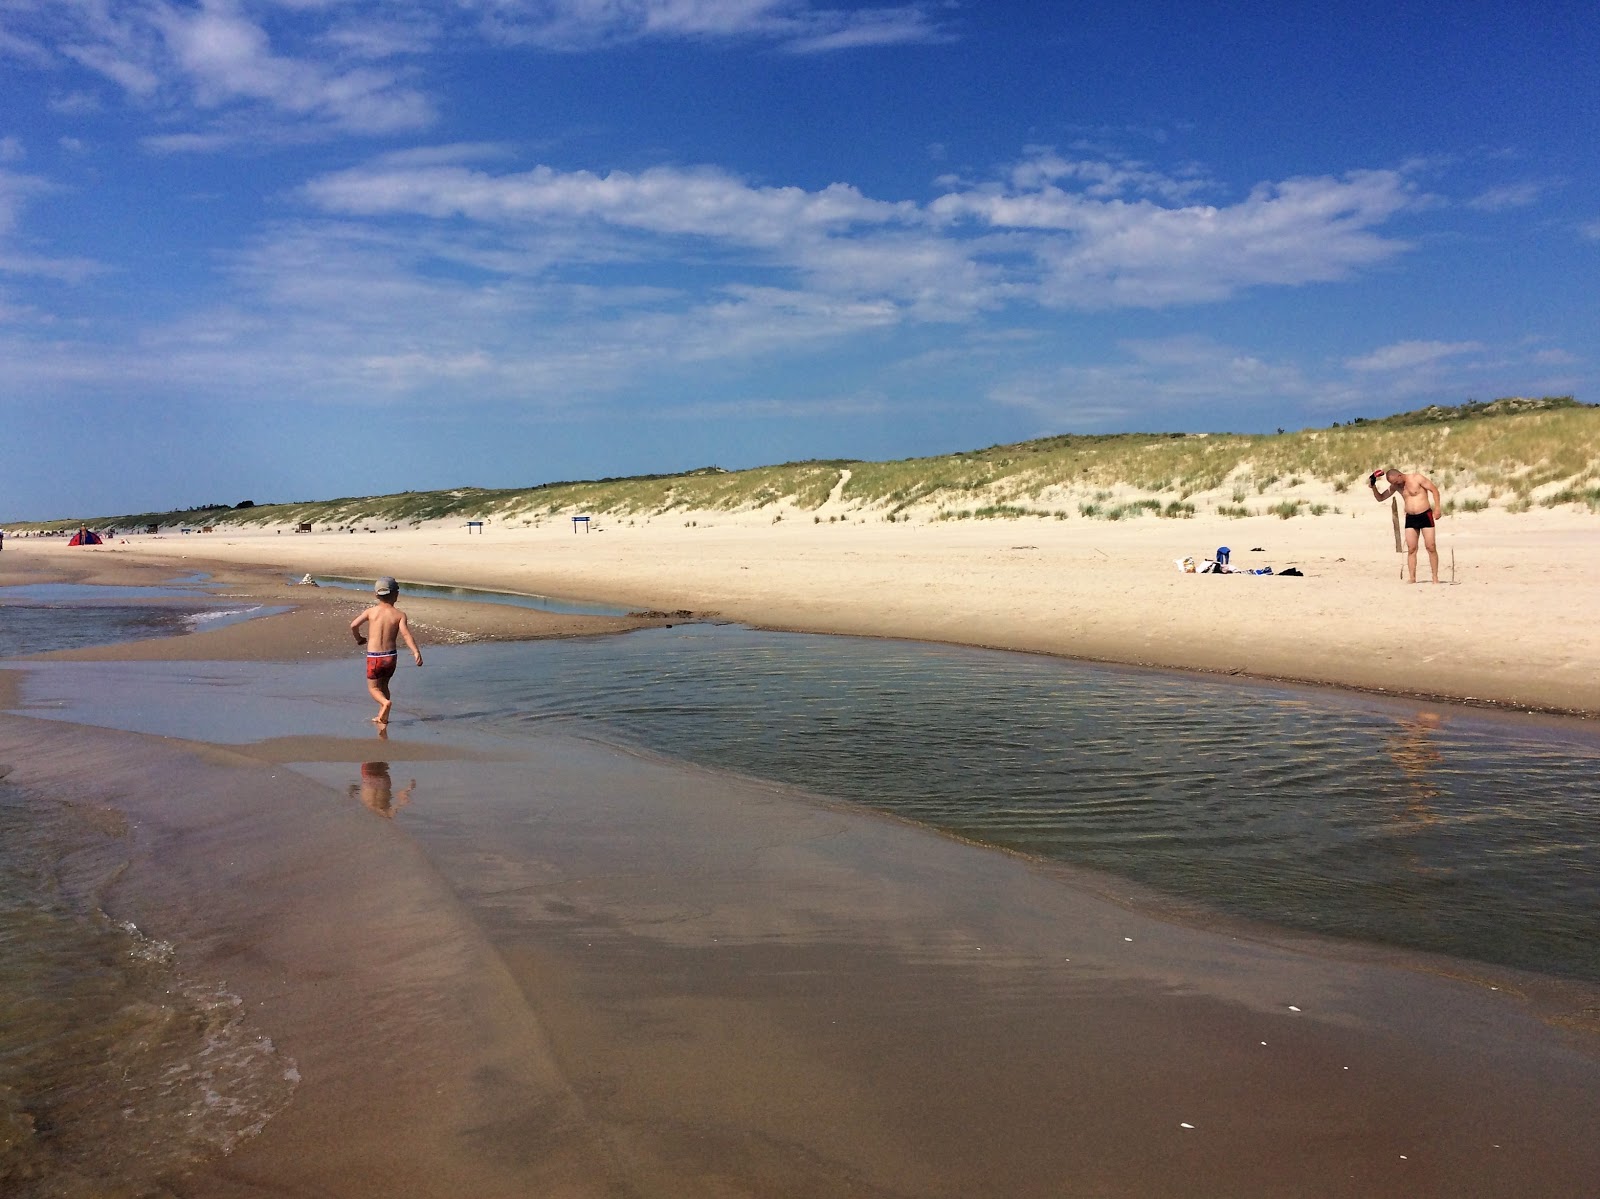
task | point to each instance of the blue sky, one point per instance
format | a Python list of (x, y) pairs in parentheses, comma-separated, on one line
[(297, 249)]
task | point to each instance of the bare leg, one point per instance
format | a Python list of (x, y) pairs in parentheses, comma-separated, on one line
[(380, 692), (1429, 539), (1411, 555)]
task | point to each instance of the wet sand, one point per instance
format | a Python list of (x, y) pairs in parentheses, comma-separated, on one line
[(596, 974), (315, 627), (591, 973)]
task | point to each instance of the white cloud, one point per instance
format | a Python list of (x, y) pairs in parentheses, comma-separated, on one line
[(874, 27), (706, 202), (1409, 355), (75, 104), (17, 192), (1554, 356), (191, 143), (760, 408), (1104, 178), (135, 78), (1509, 196), (1591, 230), (24, 49), (1029, 240), (1163, 382), (225, 58), (215, 60), (385, 38), (12, 149), (793, 24), (1106, 253), (1185, 381)]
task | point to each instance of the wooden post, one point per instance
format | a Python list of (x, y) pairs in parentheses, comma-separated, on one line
[(1394, 513)]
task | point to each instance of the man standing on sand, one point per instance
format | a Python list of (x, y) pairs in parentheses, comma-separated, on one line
[(1424, 507), (386, 625)]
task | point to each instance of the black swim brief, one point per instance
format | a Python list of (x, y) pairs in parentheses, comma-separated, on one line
[(1419, 520)]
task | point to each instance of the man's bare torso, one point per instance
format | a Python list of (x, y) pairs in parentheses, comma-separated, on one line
[(1414, 495)]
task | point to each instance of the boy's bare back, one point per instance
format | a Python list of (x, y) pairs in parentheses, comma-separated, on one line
[(385, 626)]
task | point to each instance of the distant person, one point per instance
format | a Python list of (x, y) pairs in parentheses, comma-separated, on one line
[(386, 626), (1424, 506)]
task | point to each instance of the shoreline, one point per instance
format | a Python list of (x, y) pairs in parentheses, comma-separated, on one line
[(584, 971), (1503, 637), (315, 626)]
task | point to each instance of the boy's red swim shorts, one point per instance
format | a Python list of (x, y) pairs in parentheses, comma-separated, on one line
[(381, 666)]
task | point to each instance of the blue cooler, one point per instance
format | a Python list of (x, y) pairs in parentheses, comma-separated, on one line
[(1222, 554)]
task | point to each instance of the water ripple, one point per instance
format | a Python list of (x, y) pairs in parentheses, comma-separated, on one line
[(1437, 828)]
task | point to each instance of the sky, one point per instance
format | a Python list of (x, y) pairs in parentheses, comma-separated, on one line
[(285, 250)]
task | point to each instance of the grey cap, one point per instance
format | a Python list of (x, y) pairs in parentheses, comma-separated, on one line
[(386, 586)]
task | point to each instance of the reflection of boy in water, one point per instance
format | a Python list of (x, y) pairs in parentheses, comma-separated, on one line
[(376, 789)]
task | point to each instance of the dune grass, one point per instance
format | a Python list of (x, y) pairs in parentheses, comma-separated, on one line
[(1511, 454)]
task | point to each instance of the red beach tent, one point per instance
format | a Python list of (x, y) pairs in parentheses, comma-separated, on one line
[(85, 537)]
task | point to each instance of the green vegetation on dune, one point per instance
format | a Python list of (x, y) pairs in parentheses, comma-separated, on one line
[(1510, 453)]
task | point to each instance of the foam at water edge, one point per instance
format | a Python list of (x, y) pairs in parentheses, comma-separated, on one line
[(197, 620), (226, 1091)]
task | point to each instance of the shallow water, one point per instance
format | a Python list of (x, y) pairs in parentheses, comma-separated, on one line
[(115, 1069), (539, 603), (1430, 827), (1425, 826), (37, 618)]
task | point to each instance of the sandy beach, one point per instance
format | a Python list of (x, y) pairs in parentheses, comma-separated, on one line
[(653, 980), (1508, 631)]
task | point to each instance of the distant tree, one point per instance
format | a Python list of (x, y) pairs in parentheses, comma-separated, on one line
[(245, 504)]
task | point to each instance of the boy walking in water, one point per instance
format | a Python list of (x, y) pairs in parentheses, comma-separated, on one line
[(386, 625)]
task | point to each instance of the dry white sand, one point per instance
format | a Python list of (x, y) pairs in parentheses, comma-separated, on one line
[(1511, 630)]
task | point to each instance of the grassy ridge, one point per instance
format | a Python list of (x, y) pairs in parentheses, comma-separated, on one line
[(1510, 453)]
